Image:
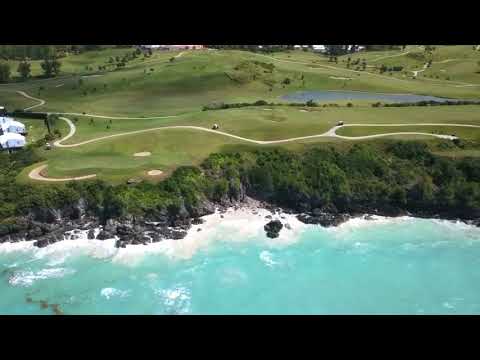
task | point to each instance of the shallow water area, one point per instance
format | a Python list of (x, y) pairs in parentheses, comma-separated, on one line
[(382, 266)]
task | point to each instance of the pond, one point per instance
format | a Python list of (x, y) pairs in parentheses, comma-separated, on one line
[(331, 96)]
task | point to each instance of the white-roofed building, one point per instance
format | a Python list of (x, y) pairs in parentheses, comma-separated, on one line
[(8, 125), (319, 48), (12, 141)]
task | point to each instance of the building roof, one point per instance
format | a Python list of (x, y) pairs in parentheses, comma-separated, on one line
[(14, 123), (12, 126), (11, 136), (4, 119)]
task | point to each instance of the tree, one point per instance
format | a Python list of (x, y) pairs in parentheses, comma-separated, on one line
[(4, 72), (51, 67), (24, 69)]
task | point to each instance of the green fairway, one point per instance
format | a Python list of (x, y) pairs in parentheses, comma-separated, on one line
[(281, 122), (114, 159)]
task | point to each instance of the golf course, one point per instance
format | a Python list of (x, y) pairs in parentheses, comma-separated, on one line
[(164, 106)]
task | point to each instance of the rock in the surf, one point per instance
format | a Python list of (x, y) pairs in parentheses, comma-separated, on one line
[(273, 228)]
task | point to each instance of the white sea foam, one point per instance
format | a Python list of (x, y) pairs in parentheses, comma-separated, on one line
[(112, 292), (361, 222), (27, 278), (176, 300), (21, 246), (267, 258), (59, 252), (236, 226)]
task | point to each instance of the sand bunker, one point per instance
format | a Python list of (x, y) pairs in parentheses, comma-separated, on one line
[(155, 172), (303, 110), (267, 109), (141, 154)]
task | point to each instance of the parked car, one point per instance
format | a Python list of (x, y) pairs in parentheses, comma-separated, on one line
[(340, 123)]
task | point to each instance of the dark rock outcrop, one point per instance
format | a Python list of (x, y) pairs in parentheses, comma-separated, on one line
[(323, 219), (91, 234), (104, 235), (273, 228), (197, 221)]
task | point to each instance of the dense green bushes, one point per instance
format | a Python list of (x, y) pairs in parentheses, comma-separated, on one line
[(428, 103), (403, 175), (222, 106)]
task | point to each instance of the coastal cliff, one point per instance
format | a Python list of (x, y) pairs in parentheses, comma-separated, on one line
[(322, 186)]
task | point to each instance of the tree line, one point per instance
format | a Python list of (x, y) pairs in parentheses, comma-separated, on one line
[(50, 66), (39, 52)]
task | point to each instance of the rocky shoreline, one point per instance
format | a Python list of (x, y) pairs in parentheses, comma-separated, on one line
[(48, 226)]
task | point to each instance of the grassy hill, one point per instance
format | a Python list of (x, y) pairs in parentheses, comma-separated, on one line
[(158, 86)]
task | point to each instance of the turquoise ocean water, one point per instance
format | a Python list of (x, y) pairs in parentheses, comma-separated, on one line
[(387, 266)]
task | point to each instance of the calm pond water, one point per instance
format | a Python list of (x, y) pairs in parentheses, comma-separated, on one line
[(330, 96)]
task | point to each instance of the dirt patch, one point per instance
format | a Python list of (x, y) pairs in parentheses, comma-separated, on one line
[(155, 172), (142, 154)]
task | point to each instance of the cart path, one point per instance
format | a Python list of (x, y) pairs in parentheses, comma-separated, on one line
[(41, 102), (35, 174), (444, 83), (330, 133)]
